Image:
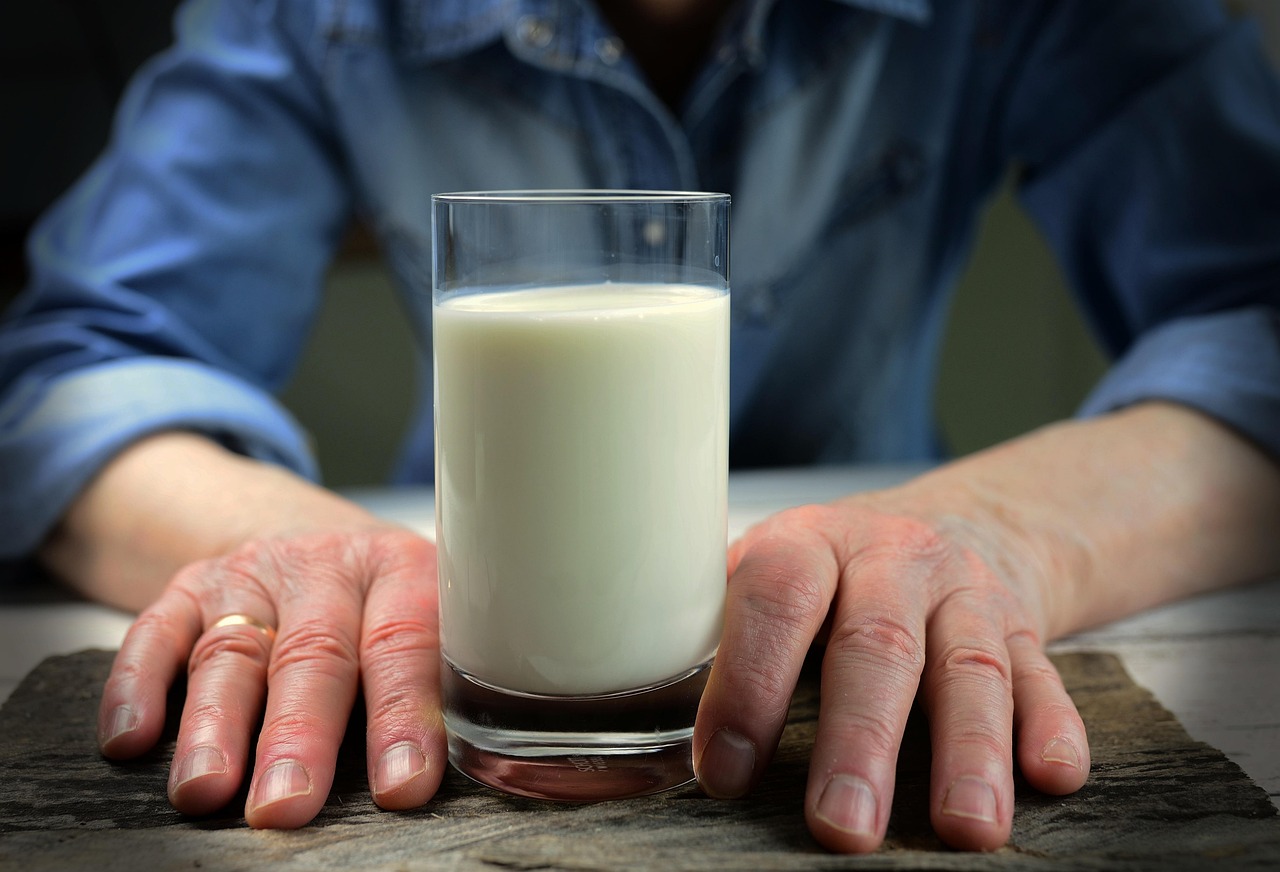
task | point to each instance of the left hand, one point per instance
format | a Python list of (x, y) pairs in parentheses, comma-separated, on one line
[(947, 588), (911, 603), (913, 599)]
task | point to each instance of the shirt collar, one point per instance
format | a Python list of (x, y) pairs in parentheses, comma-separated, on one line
[(438, 29), (449, 28)]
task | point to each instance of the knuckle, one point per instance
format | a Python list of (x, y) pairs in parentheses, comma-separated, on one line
[(190, 578), (313, 644), (784, 525), (1031, 665), (129, 672), (973, 660), (813, 516), (1058, 713), (873, 735), (1026, 639), (779, 593), (765, 691), (1040, 674), (911, 550), (759, 682), (290, 733), (877, 638), (244, 564), (201, 713), (787, 571), (979, 741), (220, 647), (402, 549), (404, 636), (402, 707), (154, 623), (290, 566), (916, 540)]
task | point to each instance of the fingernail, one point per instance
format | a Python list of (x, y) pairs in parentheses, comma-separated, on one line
[(123, 720), (971, 797), (399, 765), (282, 780), (202, 761), (848, 803), (727, 764), (1060, 750)]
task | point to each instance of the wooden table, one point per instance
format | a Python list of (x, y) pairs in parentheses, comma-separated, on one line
[(1157, 797)]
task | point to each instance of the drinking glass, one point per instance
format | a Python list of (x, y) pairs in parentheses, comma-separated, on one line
[(581, 346)]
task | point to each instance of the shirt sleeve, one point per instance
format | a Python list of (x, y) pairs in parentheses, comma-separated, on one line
[(173, 286), (1150, 137)]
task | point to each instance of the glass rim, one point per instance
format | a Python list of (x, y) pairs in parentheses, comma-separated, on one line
[(579, 196)]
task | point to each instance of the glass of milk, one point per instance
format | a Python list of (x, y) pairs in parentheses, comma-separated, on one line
[(581, 343)]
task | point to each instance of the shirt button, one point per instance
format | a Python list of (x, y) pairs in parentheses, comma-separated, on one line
[(609, 49), (535, 32)]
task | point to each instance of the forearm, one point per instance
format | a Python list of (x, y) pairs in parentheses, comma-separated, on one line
[(1123, 512), (170, 500)]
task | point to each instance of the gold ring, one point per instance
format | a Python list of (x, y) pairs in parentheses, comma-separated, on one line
[(245, 621)]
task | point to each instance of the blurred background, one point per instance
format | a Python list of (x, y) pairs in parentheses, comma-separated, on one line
[(1016, 354)]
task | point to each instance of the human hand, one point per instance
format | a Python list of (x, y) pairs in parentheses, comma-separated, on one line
[(946, 588), (915, 598), (349, 609)]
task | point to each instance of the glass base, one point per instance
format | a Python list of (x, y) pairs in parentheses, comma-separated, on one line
[(573, 748)]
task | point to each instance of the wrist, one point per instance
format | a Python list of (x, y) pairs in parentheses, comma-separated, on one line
[(1103, 517), (172, 499)]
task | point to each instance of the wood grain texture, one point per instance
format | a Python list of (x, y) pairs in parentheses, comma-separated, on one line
[(1156, 799)]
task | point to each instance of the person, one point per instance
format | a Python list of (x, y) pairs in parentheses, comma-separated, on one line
[(146, 462)]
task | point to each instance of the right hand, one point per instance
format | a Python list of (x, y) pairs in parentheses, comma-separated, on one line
[(352, 610)]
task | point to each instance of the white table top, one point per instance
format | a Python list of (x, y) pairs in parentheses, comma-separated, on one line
[(1213, 661)]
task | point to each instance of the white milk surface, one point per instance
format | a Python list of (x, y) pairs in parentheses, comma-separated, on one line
[(582, 463)]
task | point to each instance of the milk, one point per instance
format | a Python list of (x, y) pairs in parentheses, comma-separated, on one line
[(582, 458)]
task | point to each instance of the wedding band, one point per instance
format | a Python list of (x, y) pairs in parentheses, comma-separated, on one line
[(245, 621)]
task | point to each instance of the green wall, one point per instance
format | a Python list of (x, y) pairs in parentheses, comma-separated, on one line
[(1016, 354), (354, 385)]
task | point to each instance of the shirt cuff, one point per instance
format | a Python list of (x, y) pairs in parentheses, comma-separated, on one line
[(1226, 365), (54, 439)]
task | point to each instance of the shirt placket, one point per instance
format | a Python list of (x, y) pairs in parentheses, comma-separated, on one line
[(639, 142)]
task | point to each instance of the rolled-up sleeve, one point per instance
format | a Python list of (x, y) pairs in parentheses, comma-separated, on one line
[(173, 286), (1150, 133), (1223, 365)]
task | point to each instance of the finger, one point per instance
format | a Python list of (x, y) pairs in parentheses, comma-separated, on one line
[(870, 676), (737, 549), (969, 699), (400, 668), (226, 686), (131, 715), (311, 688), (1053, 749), (776, 600)]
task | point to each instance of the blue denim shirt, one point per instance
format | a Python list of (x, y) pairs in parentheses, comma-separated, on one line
[(174, 285)]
